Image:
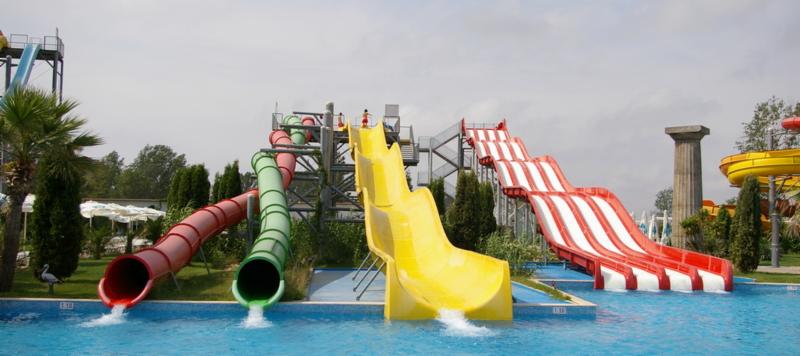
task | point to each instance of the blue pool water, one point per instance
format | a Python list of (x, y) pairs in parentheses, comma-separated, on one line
[(752, 320)]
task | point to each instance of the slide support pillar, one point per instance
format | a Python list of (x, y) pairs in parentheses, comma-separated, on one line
[(8, 72), (773, 214), (687, 195)]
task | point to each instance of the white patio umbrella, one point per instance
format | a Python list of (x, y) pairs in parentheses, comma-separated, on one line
[(90, 209), (27, 207)]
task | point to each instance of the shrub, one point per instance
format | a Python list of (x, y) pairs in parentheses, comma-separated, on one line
[(462, 221), (97, 239), (437, 190), (746, 227), (517, 252)]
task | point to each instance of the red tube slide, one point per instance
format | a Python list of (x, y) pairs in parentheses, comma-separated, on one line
[(128, 279), (287, 162)]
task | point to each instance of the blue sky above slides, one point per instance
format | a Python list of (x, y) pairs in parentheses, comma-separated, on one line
[(592, 84)]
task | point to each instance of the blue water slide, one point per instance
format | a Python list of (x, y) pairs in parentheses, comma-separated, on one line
[(25, 66)]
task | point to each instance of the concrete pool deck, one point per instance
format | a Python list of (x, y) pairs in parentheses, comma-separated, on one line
[(336, 286)]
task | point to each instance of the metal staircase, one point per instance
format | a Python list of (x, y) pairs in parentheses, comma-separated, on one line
[(452, 159)]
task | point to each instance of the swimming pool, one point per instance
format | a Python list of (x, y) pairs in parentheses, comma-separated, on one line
[(755, 319)]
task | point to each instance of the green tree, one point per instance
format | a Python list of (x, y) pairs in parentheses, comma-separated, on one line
[(231, 184), (746, 227), (486, 222), (189, 187), (33, 123), (437, 190), (664, 201), (200, 187), (767, 114), (150, 174), (464, 229), (102, 180), (179, 192), (248, 180), (722, 233), (56, 222), (215, 188)]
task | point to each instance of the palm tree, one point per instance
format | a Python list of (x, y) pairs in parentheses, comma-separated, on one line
[(33, 123)]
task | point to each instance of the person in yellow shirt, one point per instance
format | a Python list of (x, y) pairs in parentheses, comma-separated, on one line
[(3, 40)]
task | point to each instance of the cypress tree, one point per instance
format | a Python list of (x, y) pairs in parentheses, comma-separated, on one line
[(199, 186), (56, 231), (185, 187), (462, 217), (232, 182), (437, 190), (215, 188), (172, 195), (486, 219), (722, 228), (745, 249)]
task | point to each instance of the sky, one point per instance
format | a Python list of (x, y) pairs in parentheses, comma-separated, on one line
[(591, 83)]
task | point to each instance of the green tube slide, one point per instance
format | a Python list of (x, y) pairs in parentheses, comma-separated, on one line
[(259, 279)]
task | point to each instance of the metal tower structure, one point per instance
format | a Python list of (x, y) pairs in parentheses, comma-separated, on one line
[(449, 148), (324, 181), (449, 159), (51, 52)]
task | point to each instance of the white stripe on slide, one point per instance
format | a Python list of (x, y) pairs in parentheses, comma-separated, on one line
[(616, 225), (507, 182), (518, 151), (506, 152), (711, 282), (501, 135), (537, 178), (678, 281), (493, 149), (645, 280), (491, 135), (520, 174), (549, 222), (612, 280), (551, 175), (481, 149), (572, 225), (594, 225), (481, 136)]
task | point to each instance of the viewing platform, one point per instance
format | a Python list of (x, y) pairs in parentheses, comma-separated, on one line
[(51, 47)]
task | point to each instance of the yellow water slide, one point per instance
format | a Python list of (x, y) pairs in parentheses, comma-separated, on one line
[(425, 273), (784, 164)]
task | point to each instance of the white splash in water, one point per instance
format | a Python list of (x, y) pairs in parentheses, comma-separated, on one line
[(457, 325), (255, 318), (117, 316)]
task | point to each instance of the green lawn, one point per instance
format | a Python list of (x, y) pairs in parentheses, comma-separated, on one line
[(786, 260), (772, 277), (195, 284), (555, 293)]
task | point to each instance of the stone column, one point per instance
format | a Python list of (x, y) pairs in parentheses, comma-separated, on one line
[(687, 183)]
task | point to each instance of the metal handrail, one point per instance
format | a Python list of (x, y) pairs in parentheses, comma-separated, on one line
[(383, 263), (48, 43), (361, 265), (365, 274)]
